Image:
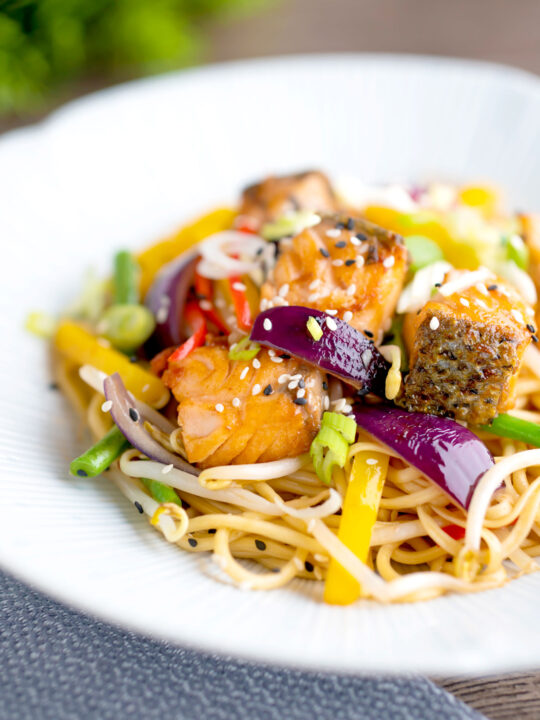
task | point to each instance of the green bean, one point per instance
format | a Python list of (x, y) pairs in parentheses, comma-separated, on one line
[(514, 428), (126, 279), (127, 327), (160, 492), (98, 458)]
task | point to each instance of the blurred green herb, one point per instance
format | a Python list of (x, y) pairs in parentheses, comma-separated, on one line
[(47, 44)]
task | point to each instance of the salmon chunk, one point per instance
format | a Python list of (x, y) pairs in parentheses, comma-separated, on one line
[(270, 199), (465, 350), (342, 264), (244, 412)]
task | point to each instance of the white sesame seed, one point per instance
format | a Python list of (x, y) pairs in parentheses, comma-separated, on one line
[(389, 261), (276, 359), (320, 558), (530, 312), (267, 324), (347, 316), (231, 321), (318, 574), (481, 287), (517, 315), (272, 352), (366, 357), (482, 304), (263, 305), (337, 262), (301, 392), (283, 378), (279, 301), (347, 409), (239, 286), (292, 385), (360, 260), (339, 404), (256, 363), (464, 302), (244, 373), (146, 387), (284, 290), (275, 299), (298, 563), (331, 323), (313, 297), (355, 241), (165, 300), (107, 405), (326, 402), (162, 314), (314, 284), (167, 469), (371, 461), (236, 402), (220, 303), (219, 407), (205, 304), (256, 389), (331, 311), (333, 233), (434, 323), (351, 289)]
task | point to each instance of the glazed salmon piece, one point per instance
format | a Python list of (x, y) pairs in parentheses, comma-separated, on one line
[(275, 196), (466, 350), (232, 412), (343, 264)]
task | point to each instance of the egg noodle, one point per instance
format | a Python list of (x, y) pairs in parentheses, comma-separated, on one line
[(285, 519)]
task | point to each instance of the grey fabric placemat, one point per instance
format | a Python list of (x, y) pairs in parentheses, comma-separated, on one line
[(57, 664)]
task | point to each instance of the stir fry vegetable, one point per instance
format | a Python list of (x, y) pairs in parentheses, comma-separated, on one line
[(101, 455), (160, 492), (127, 327), (331, 445), (126, 279), (195, 320), (358, 517), (505, 425)]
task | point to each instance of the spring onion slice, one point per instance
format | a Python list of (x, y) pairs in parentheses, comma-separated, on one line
[(244, 350), (314, 328), (333, 437)]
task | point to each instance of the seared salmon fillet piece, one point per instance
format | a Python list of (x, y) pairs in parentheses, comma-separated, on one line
[(275, 196), (465, 350), (244, 412), (342, 264)]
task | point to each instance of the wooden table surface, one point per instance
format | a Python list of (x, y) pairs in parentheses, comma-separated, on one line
[(506, 31)]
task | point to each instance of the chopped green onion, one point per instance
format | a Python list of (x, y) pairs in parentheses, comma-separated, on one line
[(516, 250), (41, 324), (334, 436), (160, 492), (92, 299), (127, 327), (314, 328), (423, 252), (126, 279), (98, 458), (290, 224), (241, 351), (515, 428)]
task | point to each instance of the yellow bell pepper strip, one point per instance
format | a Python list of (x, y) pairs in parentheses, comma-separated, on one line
[(154, 257), (481, 197), (357, 520), (83, 348)]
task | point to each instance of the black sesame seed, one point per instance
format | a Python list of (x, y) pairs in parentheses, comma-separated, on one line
[(324, 385), (350, 262), (368, 333), (340, 226), (267, 390), (530, 328), (300, 401), (309, 567), (284, 356), (133, 414), (361, 236), (212, 531), (260, 545), (350, 224), (474, 391), (324, 252), (301, 384), (138, 506), (341, 244), (259, 251), (132, 358), (82, 473), (53, 386), (534, 338), (492, 287), (192, 542), (438, 284)]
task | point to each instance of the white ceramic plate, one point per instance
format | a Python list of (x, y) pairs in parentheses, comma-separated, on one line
[(120, 168)]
